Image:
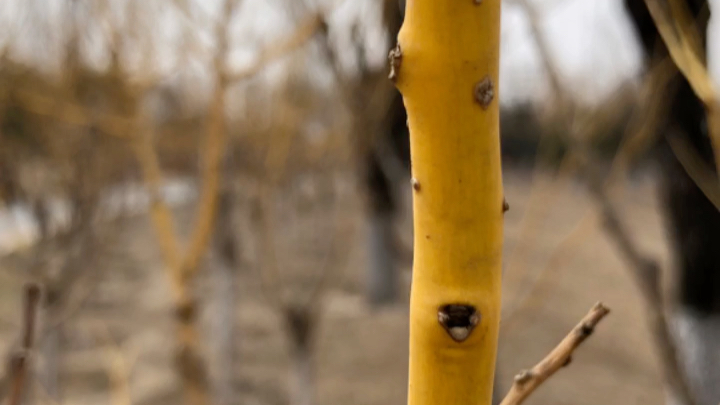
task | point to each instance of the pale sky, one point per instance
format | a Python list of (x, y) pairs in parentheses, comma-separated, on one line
[(591, 40)]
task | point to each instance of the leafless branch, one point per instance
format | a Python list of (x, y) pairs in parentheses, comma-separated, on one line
[(182, 267), (690, 160), (645, 271), (637, 136), (281, 48), (681, 39), (74, 114), (528, 380)]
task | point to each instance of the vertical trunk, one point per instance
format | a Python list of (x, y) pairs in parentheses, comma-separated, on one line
[(301, 377), (694, 225), (382, 275), (692, 221), (223, 338), (188, 357), (50, 349), (50, 374), (380, 134), (300, 324), (387, 162), (446, 66)]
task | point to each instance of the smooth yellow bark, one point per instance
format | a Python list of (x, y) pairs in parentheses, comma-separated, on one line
[(448, 47)]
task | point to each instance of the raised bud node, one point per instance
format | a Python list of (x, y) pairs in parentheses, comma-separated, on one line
[(484, 92), (415, 184), (395, 58), (458, 320), (523, 377), (587, 329)]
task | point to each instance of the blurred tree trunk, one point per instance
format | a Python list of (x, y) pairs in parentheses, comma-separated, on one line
[(376, 109), (63, 258), (446, 66), (223, 339), (301, 324), (382, 135), (48, 375), (692, 221), (51, 349), (382, 273)]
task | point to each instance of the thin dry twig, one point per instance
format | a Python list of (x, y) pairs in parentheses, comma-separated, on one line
[(528, 380), (19, 360)]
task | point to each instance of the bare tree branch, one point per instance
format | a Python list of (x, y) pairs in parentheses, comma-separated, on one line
[(645, 271), (690, 160), (282, 47), (212, 152), (159, 211), (528, 380), (74, 114), (677, 31)]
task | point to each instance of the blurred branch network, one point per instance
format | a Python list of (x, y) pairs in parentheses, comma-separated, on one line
[(100, 97)]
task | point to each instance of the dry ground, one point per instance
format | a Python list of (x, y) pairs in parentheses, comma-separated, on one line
[(555, 270)]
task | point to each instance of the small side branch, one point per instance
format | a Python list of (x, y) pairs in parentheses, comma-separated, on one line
[(528, 380)]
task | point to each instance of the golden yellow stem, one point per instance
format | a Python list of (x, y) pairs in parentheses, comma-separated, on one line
[(446, 67)]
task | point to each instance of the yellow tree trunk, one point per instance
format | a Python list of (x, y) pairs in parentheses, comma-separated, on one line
[(446, 67)]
